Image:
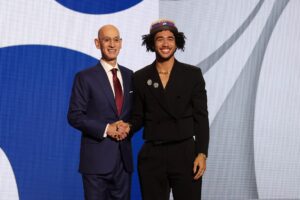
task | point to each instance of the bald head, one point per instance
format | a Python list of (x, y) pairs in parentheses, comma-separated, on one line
[(106, 29)]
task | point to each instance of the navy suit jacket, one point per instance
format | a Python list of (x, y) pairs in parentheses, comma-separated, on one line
[(92, 107)]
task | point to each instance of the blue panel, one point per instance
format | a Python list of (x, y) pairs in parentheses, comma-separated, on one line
[(43, 149), (98, 6), (137, 142)]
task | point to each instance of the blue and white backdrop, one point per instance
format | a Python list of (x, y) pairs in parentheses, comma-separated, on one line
[(247, 50)]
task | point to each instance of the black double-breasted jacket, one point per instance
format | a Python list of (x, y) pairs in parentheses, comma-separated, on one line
[(176, 112)]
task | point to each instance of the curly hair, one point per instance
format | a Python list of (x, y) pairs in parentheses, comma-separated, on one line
[(148, 40)]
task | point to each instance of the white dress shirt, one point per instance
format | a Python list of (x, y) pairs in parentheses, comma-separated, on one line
[(107, 67)]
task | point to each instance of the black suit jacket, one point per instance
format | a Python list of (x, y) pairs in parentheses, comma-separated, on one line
[(175, 113), (92, 107)]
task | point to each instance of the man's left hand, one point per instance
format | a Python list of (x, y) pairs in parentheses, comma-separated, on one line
[(199, 166)]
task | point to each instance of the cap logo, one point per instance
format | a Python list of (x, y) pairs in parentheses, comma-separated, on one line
[(162, 24)]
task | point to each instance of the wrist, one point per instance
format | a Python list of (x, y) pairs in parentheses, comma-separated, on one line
[(111, 128), (202, 155)]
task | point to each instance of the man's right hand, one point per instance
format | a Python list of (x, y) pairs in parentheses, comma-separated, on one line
[(118, 130), (123, 127)]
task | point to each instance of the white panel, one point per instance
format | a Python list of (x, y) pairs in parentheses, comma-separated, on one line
[(277, 119), (49, 23), (8, 186)]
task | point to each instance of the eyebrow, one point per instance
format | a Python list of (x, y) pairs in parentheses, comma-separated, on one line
[(111, 37), (171, 36)]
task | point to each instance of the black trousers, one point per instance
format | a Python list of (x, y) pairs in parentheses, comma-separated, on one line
[(162, 167)]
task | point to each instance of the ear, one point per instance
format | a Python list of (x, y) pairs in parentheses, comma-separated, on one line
[(97, 43), (121, 43)]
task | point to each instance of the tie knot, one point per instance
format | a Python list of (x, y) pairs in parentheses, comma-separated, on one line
[(114, 71)]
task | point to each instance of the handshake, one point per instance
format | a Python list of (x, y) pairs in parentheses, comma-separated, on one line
[(118, 130)]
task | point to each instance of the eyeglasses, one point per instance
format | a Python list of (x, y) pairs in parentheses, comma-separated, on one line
[(109, 40)]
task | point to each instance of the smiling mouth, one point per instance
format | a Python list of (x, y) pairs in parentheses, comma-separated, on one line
[(165, 50)]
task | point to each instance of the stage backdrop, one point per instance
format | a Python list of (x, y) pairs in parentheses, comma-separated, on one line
[(247, 50)]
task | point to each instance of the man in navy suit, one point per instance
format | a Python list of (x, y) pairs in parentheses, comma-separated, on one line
[(101, 96)]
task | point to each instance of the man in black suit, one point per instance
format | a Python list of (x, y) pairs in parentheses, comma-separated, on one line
[(170, 102), (101, 95)]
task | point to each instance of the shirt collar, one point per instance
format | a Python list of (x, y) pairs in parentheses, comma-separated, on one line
[(107, 67)]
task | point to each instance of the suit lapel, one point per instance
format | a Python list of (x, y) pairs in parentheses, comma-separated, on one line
[(174, 88), (155, 86), (174, 79), (104, 83), (126, 87)]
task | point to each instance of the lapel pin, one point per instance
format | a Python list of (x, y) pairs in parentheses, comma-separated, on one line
[(155, 85), (149, 82)]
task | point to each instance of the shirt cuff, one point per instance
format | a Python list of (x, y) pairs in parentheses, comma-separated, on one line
[(105, 134)]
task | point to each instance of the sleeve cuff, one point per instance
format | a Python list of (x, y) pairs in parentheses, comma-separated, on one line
[(105, 134)]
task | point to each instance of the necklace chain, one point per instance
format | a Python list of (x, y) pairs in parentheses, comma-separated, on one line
[(163, 72)]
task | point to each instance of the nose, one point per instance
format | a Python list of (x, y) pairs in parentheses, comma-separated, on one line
[(165, 42), (111, 43)]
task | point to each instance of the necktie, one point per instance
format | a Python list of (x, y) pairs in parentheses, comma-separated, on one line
[(118, 90)]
